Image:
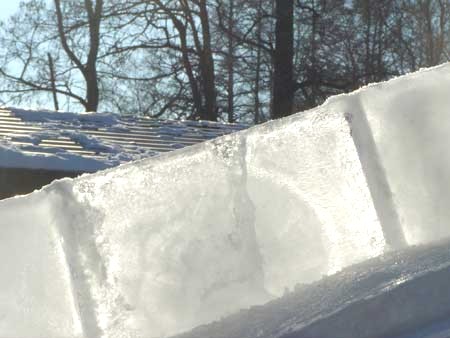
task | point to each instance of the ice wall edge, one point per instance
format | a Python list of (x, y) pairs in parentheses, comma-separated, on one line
[(377, 182)]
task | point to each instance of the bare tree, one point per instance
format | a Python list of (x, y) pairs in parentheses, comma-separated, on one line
[(60, 32), (231, 60), (88, 68), (283, 86), (51, 67)]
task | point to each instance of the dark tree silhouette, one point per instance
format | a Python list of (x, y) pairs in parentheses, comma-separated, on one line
[(283, 82)]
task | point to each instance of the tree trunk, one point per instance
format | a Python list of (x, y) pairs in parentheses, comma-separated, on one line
[(314, 64), (207, 67), (283, 84), (53, 81), (89, 68), (230, 63), (92, 91), (196, 96), (256, 88), (368, 69)]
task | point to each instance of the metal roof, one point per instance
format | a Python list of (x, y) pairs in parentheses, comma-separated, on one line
[(92, 135)]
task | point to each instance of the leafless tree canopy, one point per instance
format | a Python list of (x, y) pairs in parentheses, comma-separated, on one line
[(230, 60)]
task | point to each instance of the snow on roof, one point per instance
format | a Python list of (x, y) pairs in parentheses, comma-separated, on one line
[(87, 142)]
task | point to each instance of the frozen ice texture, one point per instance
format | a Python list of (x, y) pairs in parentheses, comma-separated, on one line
[(163, 245), (409, 120), (314, 212), (36, 290), (401, 294), (159, 246), (180, 236)]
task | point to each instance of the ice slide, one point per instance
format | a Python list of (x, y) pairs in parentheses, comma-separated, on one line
[(160, 246)]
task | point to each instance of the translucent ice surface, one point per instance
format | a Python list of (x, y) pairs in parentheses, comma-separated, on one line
[(305, 224), (157, 247), (401, 294), (167, 243), (409, 120), (162, 245), (36, 291)]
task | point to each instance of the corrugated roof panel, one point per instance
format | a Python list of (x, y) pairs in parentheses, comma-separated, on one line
[(102, 136)]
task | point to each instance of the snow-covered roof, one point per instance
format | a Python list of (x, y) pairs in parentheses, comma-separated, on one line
[(87, 142)]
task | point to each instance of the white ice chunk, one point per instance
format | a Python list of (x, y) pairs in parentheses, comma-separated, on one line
[(409, 120), (402, 294), (314, 213), (36, 295), (177, 241)]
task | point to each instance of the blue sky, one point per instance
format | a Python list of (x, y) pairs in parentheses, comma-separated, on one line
[(7, 8)]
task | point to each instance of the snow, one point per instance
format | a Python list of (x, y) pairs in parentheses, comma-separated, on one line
[(402, 294), (408, 118), (104, 140), (59, 118), (162, 245), (12, 156), (36, 298)]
